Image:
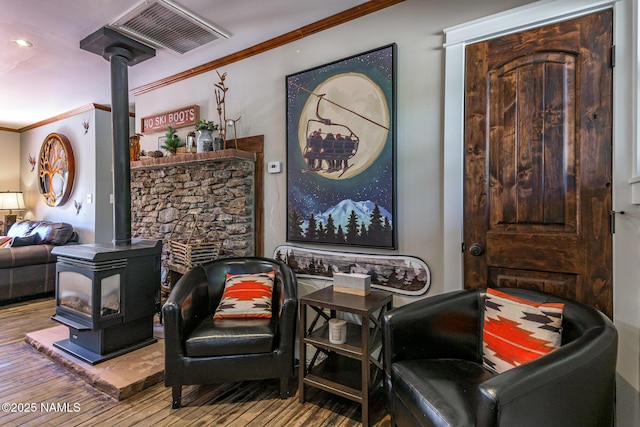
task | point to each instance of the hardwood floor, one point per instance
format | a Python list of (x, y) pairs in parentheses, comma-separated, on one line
[(42, 393)]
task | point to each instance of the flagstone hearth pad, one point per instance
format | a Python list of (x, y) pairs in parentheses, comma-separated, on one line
[(120, 377)]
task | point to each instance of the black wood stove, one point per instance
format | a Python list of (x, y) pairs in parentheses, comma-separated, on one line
[(106, 295)]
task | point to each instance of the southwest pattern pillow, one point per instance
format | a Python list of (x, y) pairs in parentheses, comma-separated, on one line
[(5, 241), (517, 331), (246, 296)]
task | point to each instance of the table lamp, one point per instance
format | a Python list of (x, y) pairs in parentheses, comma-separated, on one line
[(10, 200)]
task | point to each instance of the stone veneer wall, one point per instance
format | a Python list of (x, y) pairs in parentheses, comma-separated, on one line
[(220, 191)]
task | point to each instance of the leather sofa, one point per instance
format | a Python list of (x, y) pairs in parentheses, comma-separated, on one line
[(434, 375), (201, 350), (28, 268)]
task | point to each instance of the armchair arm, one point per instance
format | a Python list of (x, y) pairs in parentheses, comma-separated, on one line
[(288, 313), (579, 377), (443, 326), (185, 308)]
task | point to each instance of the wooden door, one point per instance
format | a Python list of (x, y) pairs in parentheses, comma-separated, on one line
[(537, 184)]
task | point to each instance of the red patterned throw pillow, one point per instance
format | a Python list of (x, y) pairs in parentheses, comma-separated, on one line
[(5, 241), (517, 331), (246, 296)]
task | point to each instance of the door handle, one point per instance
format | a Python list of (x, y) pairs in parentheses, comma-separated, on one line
[(476, 249)]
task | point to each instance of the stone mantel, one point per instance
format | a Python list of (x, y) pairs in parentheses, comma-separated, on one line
[(185, 158)]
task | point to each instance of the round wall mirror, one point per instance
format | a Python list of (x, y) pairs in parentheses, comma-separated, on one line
[(56, 169)]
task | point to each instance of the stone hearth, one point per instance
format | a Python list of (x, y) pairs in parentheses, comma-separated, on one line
[(120, 377)]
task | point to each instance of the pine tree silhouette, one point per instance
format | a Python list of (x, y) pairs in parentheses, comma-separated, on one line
[(387, 232), (375, 225), (312, 232), (331, 229), (364, 234), (322, 233), (295, 224), (352, 228)]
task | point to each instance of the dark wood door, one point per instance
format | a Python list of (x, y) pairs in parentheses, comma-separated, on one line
[(538, 143)]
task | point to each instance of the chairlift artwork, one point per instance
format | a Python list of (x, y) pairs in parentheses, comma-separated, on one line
[(341, 152)]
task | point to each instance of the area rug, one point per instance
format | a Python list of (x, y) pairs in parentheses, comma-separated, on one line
[(120, 377)]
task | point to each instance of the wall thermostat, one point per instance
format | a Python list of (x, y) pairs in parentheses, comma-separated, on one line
[(274, 167)]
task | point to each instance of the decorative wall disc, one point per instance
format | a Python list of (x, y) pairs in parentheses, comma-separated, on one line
[(56, 169)]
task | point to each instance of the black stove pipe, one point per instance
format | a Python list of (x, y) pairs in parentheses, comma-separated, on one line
[(121, 51), (119, 59)]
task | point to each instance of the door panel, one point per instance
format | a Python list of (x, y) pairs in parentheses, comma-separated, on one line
[(538, 160), (565, 285)]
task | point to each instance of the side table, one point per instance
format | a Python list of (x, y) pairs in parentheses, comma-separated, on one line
[(350, 370)]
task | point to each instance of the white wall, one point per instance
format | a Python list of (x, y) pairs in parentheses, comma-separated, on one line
[(93, 159), (10, 161)]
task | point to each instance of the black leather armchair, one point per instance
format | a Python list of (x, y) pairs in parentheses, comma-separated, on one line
[(199, 350), (434, 374)]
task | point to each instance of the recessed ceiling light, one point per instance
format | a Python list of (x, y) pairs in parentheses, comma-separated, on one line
[(22, 42)]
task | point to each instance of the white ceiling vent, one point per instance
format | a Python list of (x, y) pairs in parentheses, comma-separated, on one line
[(165, 24)]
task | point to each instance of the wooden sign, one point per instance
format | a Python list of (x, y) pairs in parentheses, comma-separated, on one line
[(185, 116)]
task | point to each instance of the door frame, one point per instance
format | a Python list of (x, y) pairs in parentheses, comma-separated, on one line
[(626, 142)]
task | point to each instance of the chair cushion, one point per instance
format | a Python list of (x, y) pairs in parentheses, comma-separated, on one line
[(231, 336), (439, 392), (517, 331), (246, 296)]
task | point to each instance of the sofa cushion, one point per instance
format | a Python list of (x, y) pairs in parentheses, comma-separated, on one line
[(438, 392), (55, 233), (27, 255), (33, 239), (246, 296), (517, 331), (231, 336), (21, 228)]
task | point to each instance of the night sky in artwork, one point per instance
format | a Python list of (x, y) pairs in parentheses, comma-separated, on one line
[(311, 192)]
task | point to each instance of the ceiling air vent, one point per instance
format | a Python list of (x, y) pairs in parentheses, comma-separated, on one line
[(165, 24)]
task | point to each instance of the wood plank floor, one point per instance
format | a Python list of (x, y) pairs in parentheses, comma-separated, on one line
[(45, 394)]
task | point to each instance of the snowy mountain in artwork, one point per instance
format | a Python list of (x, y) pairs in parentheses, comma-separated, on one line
[(342, 211)]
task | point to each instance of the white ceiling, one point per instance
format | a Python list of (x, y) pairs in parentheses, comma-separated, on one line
[(56, 76)]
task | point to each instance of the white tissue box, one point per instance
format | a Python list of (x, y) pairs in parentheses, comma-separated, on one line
[(356, 284)]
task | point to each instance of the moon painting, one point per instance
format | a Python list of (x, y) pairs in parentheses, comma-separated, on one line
[(340, 152)]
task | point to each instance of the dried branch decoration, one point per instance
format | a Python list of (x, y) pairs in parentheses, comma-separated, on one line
[(221, 93)]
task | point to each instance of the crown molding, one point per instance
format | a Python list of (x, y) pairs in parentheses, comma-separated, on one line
[(307, 30), (68, 114)]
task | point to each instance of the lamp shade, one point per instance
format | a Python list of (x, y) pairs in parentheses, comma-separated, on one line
[(10, 200)]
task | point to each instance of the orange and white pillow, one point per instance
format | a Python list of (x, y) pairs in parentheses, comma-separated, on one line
[(517, 331), (246, 296)]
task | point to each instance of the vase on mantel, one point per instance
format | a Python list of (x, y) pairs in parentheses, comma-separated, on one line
[(205, 141), (218, 143)]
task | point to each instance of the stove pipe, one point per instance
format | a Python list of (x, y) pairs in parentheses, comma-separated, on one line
[(119, 58), (121, 51)]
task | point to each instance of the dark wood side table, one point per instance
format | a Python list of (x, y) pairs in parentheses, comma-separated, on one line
[(350, 370)]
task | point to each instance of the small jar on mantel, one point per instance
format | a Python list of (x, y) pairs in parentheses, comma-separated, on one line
[(205, 141)]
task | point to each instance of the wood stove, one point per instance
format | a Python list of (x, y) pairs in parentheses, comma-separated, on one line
[(106, 295)]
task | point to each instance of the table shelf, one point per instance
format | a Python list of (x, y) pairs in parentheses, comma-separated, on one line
[(351, 348), (339, 375)]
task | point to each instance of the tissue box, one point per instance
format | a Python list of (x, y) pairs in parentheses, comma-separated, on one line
[(356, 284)]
